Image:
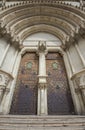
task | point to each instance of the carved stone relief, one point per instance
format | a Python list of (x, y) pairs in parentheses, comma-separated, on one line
[(4, 82), (42, 48), (4, 79), (79, 81)]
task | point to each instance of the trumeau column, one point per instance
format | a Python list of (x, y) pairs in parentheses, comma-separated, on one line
[(42, 83), (80, 55)]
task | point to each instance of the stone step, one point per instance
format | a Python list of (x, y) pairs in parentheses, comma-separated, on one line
[(16, 122)]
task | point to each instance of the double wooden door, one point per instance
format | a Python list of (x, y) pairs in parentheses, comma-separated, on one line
[(26, 90)]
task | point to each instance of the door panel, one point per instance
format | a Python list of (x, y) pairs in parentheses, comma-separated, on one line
[(59, 97), (25, 95)]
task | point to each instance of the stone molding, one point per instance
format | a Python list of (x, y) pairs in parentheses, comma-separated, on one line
[(34, 49), (10, 20)]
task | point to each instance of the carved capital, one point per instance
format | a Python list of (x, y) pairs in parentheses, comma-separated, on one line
[(42, 48)]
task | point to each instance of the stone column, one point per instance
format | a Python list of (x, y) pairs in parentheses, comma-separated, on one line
[(82, 85), (70, 61), (80, 55), (4, 55), (13, 62), (79, 90), (75, 97), (5, 79), (42, 82)]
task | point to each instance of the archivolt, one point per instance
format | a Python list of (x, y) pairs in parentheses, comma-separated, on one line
[(43, 28), (64, 21)]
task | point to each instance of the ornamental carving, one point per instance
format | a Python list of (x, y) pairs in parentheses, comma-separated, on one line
[(80, 81), (4, 80), (42, 48)]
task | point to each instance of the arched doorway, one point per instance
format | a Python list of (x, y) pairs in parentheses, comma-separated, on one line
[(25, 97)]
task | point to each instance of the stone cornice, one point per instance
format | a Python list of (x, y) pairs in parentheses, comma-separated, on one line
[(42, 2)]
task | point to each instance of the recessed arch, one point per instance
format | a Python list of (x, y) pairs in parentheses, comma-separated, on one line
[(60, 23), (57, 15), (43, 28)]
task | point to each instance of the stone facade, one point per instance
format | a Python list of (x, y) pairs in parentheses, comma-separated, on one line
[(65, 20)]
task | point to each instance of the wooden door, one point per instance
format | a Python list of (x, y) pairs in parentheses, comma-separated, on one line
[(59, 96), (25, 95)]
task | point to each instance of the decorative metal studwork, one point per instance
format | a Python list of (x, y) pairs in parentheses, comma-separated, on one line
[(25, 95), (59, 96)]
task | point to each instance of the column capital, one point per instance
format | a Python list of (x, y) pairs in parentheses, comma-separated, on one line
[(42, 48)]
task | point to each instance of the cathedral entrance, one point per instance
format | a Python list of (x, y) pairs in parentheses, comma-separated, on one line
[(59, 96), (59, 101), (25, 95)]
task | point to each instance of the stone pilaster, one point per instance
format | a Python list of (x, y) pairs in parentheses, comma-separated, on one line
[(70, 61), (5, 79), (42, 83), (75, 97), (4, 55), (79, 80), (80, 55)]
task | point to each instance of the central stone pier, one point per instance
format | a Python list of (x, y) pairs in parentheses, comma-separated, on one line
[(42, 82)]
